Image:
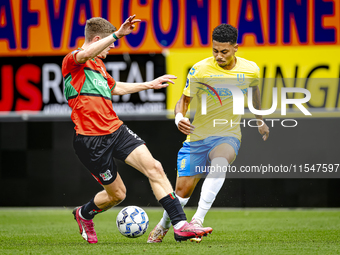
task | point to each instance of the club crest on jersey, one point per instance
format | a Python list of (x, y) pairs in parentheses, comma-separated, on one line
[(241, 77), (106, 176)]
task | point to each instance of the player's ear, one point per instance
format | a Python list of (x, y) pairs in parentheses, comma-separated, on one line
[(236, 47), (96, 38)]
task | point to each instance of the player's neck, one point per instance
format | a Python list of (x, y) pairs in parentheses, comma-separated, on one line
[(231, 65), (85, 45)]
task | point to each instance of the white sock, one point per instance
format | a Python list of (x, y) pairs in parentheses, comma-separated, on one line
[(179, 224), (210, 188), (165, 221)]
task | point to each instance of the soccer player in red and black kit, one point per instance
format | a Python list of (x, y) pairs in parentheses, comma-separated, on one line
[(101, 136)]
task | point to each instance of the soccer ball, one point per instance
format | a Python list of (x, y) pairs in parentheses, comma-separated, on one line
[(132, 221)]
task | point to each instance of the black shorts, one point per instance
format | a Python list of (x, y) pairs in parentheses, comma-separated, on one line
[(97, 152)]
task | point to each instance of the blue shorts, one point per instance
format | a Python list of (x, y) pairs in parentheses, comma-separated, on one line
[(198, 152)]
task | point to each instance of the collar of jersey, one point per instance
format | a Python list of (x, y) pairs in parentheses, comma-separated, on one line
[(236, 64)]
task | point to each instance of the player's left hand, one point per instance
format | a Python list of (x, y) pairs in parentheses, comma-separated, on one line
[(128, 26), (264, 131), (162, 81)]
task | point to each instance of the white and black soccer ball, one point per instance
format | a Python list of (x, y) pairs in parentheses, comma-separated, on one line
[(132, 221)]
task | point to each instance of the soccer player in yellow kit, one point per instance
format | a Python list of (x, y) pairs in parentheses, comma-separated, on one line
[(208, 144)]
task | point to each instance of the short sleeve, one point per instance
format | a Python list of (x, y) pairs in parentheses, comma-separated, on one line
[(189, 90), (256, 79), (110, 81), (69, 63)]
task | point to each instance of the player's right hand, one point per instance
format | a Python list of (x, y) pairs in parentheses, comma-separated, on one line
[(264, 131), (185, 126)]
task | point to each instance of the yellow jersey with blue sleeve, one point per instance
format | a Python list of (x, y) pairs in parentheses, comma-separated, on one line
[(209, 82)]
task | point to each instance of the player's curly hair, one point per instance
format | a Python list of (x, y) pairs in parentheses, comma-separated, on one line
[(225, 33), (98, 26)]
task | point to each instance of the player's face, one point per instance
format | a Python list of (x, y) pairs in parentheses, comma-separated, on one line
[(224, 54), (106, 51)]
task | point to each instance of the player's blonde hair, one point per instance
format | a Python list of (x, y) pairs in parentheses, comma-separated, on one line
[(98, 26)]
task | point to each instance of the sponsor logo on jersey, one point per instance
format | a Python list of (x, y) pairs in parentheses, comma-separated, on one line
[(99, 83), (216, 75)]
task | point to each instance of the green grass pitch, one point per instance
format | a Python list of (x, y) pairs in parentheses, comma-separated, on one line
[(248, 231)]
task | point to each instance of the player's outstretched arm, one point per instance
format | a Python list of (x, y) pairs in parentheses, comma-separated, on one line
[(123, 88), (262, 126), (181, 108), (98, 44)]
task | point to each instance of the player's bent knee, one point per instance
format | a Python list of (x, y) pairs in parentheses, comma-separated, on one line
[(117, 198), (121, 196), (156, 171), (184, 192), (159, 171), (159, 167), (116, 195)]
